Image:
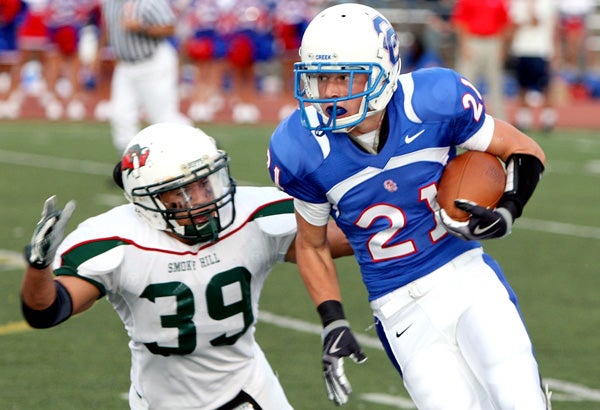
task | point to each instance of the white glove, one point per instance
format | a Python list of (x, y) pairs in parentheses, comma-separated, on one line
[(48, 233), (483, 223), (339, 342)]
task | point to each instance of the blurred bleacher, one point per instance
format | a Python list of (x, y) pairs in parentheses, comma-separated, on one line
[(578, 97)]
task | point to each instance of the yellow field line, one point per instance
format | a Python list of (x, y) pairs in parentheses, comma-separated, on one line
[(14, 327)]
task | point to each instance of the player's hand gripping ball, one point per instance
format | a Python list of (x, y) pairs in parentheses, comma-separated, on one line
[(474, 176)]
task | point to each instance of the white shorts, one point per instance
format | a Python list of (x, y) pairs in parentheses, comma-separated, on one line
[(459, 341)]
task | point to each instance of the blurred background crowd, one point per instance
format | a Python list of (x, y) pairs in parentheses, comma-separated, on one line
[(235, 57)]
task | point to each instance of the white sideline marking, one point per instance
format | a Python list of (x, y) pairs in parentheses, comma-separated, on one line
[(561, 390), (591, 167), (11, 260), (560, 228), (398, 402), (61, 164), (98, 168), (567, 391)]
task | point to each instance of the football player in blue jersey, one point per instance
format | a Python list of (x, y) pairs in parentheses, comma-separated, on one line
[(367, 147)]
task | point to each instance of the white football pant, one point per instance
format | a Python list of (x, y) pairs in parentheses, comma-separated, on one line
[(459, 341)]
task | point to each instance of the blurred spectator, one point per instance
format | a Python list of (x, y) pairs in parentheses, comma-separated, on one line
[(533, 50), (48, 41), (225, 40), (11, 14), (65, 20), (418, 55), (481, 28), (202, 49), (247, 28), (87, 50), (573, 33), (145, 82), (290, 19), (438, 35), (33, 43), (32, 33)]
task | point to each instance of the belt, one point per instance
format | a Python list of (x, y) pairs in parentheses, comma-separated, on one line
[(389, 304)]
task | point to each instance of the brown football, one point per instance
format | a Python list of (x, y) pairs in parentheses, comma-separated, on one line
[(475, 176)]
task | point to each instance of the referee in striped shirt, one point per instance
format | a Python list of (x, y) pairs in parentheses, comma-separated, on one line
[(146, 75)]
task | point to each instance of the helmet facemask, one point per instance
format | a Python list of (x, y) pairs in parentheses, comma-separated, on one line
[(201, 219), (307, 91), (346, 39), (179, 181)]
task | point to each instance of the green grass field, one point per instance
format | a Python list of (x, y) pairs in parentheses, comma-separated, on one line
[(551, 259)]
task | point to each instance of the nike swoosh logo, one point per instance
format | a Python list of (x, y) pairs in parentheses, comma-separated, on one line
[(401, 333), (479, 231), (334, 347), (410, 138)]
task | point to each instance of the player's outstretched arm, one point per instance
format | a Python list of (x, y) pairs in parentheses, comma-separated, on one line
[(320, 278), (47, 302)]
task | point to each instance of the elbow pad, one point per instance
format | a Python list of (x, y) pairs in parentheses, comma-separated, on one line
[(59, 311), (523, 172)]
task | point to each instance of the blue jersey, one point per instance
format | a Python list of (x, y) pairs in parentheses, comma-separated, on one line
[(385, 203)]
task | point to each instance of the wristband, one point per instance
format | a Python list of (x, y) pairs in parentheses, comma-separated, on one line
[(330, 311)]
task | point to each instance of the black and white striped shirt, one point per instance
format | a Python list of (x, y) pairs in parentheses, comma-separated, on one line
[(134, 46)]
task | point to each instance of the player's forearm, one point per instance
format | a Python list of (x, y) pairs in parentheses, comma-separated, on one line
[(319, 274), (338, 243), (315, 262), (38, 289)]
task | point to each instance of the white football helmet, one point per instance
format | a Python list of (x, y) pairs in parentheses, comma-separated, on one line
[(347, 39), (169, 157)]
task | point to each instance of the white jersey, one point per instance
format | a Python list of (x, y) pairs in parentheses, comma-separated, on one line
[(534, 40), (189, 310)]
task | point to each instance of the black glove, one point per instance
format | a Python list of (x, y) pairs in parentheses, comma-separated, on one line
[(483, 223), (339, 342), (48, 234)]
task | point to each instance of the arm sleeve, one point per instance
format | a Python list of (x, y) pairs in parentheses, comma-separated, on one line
[(482, 138), (59, 311), (523, 172), (315, 214)]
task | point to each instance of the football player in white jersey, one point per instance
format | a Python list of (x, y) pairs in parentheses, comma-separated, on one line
[(183, 264), (367, 147)]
